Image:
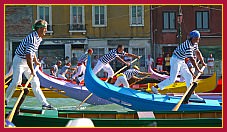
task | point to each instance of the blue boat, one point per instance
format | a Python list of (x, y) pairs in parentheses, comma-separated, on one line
[(140, 101)]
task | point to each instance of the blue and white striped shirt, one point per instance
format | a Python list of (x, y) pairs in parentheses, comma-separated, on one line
[(130, 72), (185, 50), (110, 56), (83, 58), (29, 45)]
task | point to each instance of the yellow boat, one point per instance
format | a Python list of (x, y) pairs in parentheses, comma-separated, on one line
[(204, 85), (47, 92)]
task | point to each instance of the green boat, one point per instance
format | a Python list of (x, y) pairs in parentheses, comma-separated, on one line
[(59, 118)]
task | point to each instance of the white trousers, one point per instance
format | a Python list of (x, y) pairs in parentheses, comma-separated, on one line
[(177, 66), (20, 66), (106, 67), (122, 80), (81, 69), (159, 68)]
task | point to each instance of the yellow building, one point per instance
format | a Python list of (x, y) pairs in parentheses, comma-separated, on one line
[(73, 28)]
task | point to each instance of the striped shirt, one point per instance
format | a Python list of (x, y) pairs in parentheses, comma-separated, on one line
[(185, 50), (110, 56), (29, 45), (130, 72), (83, 58), (64, 70)]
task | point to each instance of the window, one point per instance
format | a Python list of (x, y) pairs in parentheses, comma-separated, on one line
[(44, 12), (141, 52), (202, 19), (99, 16), (136, 15), (169, 20), (77, 21)]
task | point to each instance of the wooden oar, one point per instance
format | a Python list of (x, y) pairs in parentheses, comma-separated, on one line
[(10, 117), (188, 89), (105, 81), (121, 69), (8, 81), (138, 80)]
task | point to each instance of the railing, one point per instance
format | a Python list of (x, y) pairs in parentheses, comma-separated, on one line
[(77, 27)]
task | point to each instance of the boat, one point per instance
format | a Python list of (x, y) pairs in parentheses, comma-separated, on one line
[(141, 101), (47, 93), (69, 89), (158, 76), (204, 85), (59, 118), (218, 89)]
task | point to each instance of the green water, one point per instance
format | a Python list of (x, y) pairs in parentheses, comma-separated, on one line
[(67, 104)]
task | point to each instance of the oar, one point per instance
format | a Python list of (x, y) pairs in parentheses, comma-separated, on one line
[(186, 93), (10, 117), (105, 81), (138, 80), (121, 69), (8, 81)]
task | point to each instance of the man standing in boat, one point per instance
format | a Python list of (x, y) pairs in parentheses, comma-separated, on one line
[(123, 78), (178, 65), (103, 62), (23, 63), (81, 66)]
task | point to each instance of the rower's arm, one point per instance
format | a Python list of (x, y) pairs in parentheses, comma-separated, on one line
[(132, 55)]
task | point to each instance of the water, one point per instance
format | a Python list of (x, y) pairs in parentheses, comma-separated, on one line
[(67, 104)]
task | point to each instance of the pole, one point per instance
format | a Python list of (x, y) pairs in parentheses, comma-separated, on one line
[(180, 16)]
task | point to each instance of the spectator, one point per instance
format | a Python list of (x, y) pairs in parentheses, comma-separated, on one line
[(74, 60), (159, 63), (210, 64), (95, 60), (66, 60), (167, 62)]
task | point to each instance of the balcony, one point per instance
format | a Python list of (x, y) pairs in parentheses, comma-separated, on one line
[(79, 28)]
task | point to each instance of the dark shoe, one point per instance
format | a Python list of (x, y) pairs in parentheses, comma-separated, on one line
[(48, 107), (77, 81)]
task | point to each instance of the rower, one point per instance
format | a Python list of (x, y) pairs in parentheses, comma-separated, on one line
[(123, 78), (178, 65)]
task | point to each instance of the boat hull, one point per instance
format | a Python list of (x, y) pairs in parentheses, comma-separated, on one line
[(140, 101), (53, 118), (69, 89)]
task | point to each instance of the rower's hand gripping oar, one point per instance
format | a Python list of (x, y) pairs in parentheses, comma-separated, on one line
[(188, 89), (105, 81)]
